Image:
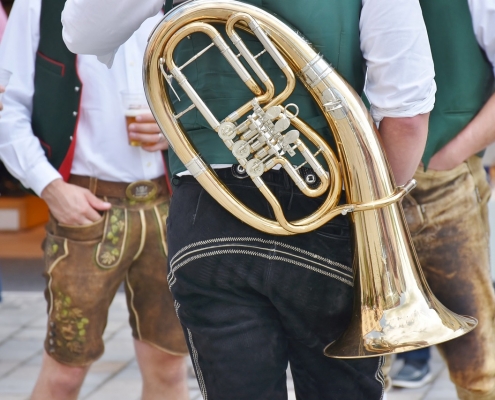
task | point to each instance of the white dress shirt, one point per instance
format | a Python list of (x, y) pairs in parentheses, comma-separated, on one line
[(102, 148), (393, 40)]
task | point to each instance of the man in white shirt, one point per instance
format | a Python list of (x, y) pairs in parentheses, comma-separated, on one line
[(63, 135), (251, 302)]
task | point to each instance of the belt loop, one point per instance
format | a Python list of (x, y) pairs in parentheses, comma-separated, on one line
[(93, 183)]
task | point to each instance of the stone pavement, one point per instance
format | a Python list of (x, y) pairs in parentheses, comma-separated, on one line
[(116, 376)]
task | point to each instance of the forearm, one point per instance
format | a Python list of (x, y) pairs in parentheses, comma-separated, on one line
[(23, 156), (404, 140), (476, 136)]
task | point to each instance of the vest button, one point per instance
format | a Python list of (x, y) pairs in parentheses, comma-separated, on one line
[(71, 138), (77, 88), (74, 113)]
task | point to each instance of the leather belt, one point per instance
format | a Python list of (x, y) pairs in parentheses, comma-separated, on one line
[(143, 190)]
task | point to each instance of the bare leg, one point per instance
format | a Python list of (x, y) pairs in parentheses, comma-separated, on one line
[(58, 381), (164, 375)]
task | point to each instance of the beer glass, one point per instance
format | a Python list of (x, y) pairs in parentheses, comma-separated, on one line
[(134, 104)]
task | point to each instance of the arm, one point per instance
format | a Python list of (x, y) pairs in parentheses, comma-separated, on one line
[(20, 150), (399, 83), (100, 27), (404, 140), (476, 136)]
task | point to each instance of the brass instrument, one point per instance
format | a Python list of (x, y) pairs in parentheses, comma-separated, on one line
[(395, 310)]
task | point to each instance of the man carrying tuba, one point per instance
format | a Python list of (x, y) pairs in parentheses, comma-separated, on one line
[(251, 303)]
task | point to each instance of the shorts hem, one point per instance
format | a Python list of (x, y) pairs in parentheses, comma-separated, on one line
[(70, 364), (165, 350)]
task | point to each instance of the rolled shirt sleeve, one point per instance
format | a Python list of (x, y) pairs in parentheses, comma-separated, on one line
[(100, 27), (400, 73)]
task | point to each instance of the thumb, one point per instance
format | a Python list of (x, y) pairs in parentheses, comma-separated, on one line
[(97, 203)]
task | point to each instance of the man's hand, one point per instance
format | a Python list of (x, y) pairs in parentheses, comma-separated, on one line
[(71, 204), (147, 131)]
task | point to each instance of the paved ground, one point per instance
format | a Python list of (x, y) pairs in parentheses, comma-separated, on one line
[(115, 376)]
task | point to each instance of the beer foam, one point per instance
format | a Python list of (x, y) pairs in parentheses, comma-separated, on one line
[(134, 112)]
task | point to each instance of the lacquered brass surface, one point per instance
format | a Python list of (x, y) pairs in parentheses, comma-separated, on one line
[(395, 310)]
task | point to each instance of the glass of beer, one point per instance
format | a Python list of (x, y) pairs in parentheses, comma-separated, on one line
[(134, 104)]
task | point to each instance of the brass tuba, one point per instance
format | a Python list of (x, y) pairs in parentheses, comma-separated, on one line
[(394, 310)]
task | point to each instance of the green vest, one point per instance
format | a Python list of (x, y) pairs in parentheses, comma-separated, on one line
[(463, 74), (331, 26), (57, 90)]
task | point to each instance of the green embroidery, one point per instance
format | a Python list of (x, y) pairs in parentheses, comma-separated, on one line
[(71, 324), (51, 247), (110, 249)]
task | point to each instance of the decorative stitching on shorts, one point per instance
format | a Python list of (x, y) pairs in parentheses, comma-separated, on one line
[(263, 241), (379, 375), (162, 223), (51, 249), (109, 251), (143, 235), (68, 325), (199, 373), (318, 264), (176, 306), (309, 264), (131, 301)]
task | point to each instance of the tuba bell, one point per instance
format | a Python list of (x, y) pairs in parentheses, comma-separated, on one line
[(394, 309)]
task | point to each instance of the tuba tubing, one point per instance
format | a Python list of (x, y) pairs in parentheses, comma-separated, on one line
[(394, 308)]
